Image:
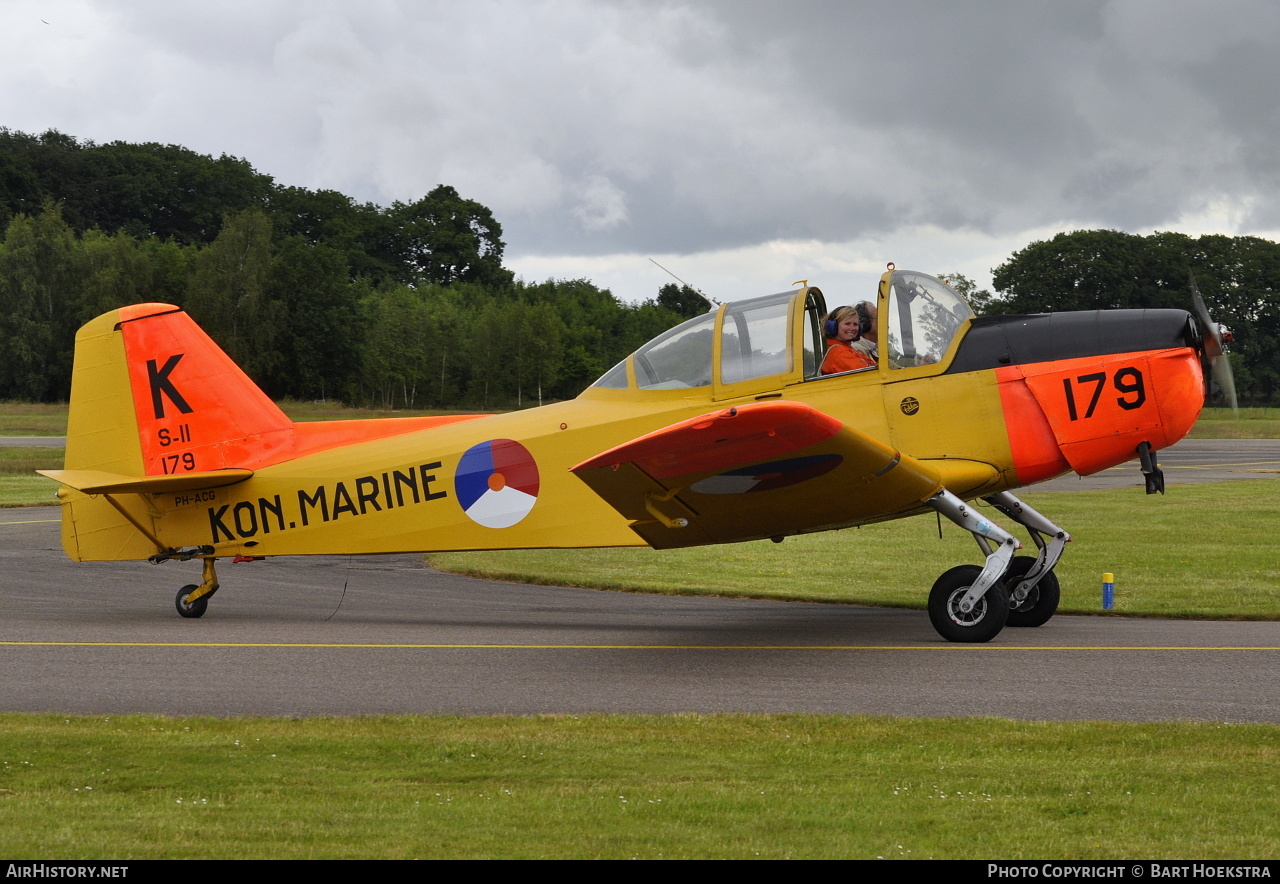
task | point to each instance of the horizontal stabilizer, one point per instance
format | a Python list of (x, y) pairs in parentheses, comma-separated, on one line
[(100, 482)]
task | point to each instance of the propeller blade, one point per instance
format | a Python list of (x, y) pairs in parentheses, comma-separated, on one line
[(1215, 337)]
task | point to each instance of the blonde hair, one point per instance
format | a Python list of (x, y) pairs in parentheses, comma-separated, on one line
[(837, 316)]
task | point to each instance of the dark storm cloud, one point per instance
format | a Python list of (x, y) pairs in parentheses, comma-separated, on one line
[(597, 128)]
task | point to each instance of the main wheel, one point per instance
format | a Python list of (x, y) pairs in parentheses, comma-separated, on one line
[(191, 609), (983, 623), (1040, 604)]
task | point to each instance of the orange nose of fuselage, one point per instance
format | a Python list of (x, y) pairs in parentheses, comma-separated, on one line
[(1090, 413)]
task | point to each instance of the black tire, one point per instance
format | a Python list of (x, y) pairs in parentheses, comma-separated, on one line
[(983, 623), (1040, 604), (194, 609)]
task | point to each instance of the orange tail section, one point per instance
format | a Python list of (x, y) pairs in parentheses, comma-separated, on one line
[(153, 395), (195, 409), (157, 406)]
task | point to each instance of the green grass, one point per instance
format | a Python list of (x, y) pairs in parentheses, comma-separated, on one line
[(335, 411), (1251, 423), (140, 787), (19, 485), (1165, 552), (33, 419), (41, 419), (699, 786)]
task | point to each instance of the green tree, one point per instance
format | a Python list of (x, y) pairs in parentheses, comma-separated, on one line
[(113, 271), (362, 232), (443, 238), (543, 338), (320, 338), (228, 296), (38, 279), (19, 184), (166, 191), (981, 300), (395, 353), (682, 300)]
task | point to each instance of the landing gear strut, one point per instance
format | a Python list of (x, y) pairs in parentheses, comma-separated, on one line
[(192, 600), (959, 606), (1033, 587), (972, 604)]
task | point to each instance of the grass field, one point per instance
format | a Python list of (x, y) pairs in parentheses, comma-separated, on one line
[(1250, 423), (33, 419), (40, 419), (1166, 559), (619, 787), (19, 485), (694, 786)]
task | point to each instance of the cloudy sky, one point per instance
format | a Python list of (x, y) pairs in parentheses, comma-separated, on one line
[(744, 144)]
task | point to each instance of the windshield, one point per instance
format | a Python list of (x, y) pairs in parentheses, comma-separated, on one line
[(679, 358), (924, 315)]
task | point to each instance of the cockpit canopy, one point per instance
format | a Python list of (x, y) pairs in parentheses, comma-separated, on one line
[(923, 316), (776, 340)]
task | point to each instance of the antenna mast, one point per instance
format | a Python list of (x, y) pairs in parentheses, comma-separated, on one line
[(699, 292)]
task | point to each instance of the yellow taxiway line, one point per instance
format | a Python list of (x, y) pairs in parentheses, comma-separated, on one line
[(538, 647)]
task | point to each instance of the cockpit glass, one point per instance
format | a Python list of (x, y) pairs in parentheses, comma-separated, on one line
[(753, 339), (678, 359), (615, 378), (924, 315)]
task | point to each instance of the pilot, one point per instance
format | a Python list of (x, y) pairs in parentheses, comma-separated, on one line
[(851, 338)]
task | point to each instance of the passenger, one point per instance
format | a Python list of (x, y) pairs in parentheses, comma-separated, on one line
[(851, 339)]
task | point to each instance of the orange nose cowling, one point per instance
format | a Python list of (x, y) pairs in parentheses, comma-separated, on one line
[(1092, 413)]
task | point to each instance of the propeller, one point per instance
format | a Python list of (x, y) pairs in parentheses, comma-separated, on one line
[(1215, 336)]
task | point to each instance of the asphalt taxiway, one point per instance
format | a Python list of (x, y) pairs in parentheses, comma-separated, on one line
[(372, 635)]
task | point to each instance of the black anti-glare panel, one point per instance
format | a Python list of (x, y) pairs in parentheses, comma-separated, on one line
[(994, 341)]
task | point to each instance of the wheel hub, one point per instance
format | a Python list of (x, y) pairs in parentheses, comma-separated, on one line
[(964, 613), (1027, 602)]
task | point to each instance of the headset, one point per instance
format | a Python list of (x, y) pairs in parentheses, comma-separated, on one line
[(831, 328)]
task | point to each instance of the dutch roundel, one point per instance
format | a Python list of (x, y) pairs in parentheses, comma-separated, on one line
[(497, 483)]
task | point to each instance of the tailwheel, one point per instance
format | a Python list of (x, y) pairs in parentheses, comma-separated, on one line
[(982, 622), (1042, 599), (191, 609), (195, 607)]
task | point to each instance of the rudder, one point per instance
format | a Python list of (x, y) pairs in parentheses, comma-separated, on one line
[(152, 394)]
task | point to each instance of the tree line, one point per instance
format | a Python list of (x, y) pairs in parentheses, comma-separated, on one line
[(314, 295), (318, 296)]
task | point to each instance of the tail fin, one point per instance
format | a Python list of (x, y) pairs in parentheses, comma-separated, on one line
[(157, 406), (153, 395)]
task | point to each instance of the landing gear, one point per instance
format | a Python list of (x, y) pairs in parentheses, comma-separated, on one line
[(1033, 587), (187, 607), (958, 622), (1039, 604), (193, 600), (972, 604)]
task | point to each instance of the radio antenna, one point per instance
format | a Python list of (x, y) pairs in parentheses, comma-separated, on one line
[(701, 294)]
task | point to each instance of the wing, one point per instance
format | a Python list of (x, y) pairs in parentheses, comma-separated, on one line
[(762, 470)]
